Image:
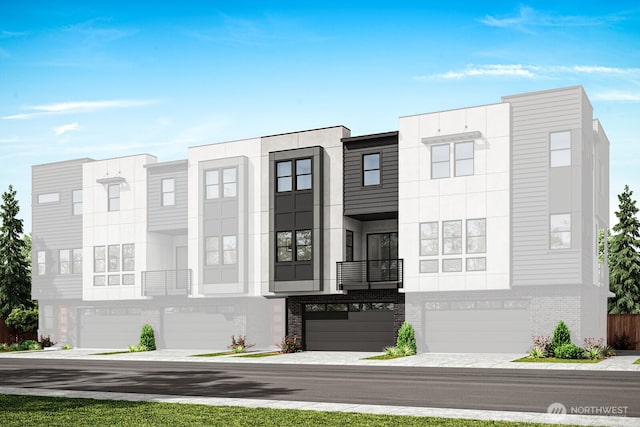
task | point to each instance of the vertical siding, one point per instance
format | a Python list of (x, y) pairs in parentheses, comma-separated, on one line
[(533, 117), (383, 198), (54, 227), (166, 218)]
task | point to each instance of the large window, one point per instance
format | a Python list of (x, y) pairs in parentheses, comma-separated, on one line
[(168, 192), (440, 161), (371, 169), (114, 197), (114, 257), (451, 237), (42, 263), (212, 249), (560, 149), (48, 198), (99, 259), (284, 246), (212, 184), (303, 174), (229, 249), (560, 231), (128, 257), (429, 238), (464, 158), (284, 177), (76, 254), (229, 182), (348, 255), (451, 265), (476, 236), (303, 245), (429, 266), (64, 261), (76, 198)]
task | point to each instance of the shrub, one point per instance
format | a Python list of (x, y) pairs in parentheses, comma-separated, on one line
[(541, 345), (290, 344), (607, 351), (407, 338), (23, 320), (67, 347), (561, 336), (29, 345), (4, 347), (14, 347), (46, 341), (239, 345), (147, 338), (623, 342), (536, 353), (568, 351)]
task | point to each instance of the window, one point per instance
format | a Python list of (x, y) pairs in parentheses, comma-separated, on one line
[(42, 263), (99, 281), (429, 238), (348, 256), (128, 257), (476, 236), (128, 279), (99, 257), (476, 264), (283, 175), (76, 255), (212, 249), (212, 187), (114, 257), (303, 174), (429, 266), (114, 280), (560, 149), (451, 265), (168, 192), (229, 182), (76, 199), (464, 158), (48, 198), (303, 245), (560, 231), (229, 249), (440, 161), (371, 169), (64, 261), (283, 246), (451, 237), (114, 197)]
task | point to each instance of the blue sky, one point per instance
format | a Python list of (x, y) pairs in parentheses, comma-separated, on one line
[(110, 79)]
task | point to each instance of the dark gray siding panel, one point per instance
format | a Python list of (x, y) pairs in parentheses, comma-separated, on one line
[(167, 218), (54, 227), (363, 200)]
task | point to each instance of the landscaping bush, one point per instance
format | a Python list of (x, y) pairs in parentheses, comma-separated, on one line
[(46, 341), (29, 345), (147, 339), (290, 344), (23, 320), (561, 336), (4, 347), (541, 347), (407, 339), (239, 345), (623, 342), (568, 351)]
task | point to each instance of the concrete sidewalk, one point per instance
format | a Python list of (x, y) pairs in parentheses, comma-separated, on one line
[(618, 363)]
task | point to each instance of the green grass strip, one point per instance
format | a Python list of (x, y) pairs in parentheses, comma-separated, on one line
[(555, 360), (54, 411), (273, 353), (222, 353), (383, 357), (637, 362), (111, 352)]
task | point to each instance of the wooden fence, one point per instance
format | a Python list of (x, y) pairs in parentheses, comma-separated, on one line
[(9, 336), (623, 324)]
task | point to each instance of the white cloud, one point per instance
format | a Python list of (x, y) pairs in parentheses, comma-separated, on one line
[(617, 96), (484, 70), (10, 34), (61, 130), (77, 107)]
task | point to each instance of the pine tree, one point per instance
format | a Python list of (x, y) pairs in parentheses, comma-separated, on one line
[(15, 277), (624, 258)]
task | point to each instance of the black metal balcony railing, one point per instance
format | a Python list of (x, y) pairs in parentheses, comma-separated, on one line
[(166, 282), (370, 274)]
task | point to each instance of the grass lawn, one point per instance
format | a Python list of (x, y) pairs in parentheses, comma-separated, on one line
[(272, 353), (53, 411), (555, 360), (383, 357), (222, 353), (108, 353), (637, 362)]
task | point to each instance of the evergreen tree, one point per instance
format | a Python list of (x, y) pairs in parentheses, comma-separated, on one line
[(624, 258), (15, 277)]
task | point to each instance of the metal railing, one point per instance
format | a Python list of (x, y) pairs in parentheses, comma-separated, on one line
[(370, 274), (166, 282)]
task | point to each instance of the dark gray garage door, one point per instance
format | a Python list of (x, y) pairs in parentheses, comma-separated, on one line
[(348, 327)]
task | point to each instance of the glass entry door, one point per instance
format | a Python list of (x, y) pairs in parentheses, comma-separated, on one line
[(382, 257)]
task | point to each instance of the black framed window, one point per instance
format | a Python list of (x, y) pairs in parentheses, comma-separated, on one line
[(303, 245), (114, 197), (212, 184), (284, 246), (371, 169), (284, 177), (303, 174), (348, 255), (168, 186)]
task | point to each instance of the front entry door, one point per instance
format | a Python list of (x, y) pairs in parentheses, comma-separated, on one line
[(382, 257)]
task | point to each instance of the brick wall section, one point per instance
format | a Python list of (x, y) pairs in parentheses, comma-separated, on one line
[(295, 306)]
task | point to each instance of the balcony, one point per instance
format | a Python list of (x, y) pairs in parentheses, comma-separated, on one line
[(166, 283), (370, 274)]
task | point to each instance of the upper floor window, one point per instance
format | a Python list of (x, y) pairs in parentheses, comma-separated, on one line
[(76, 199), (64, 261), (283, 176), (303, 174), (168, 192), (284, 246), (128, 257), (114, 257), (76, 255), (560, 231), (229, 250), (114, 197), (42, 263), (451, 237), (440, 164), (371, 169), (303, 245), (348, 256), (212, 250), (429, 238), (99, 259), (48, 198), (212, 184), (229, 182), (560, 149), (464, 158), (476, 236)]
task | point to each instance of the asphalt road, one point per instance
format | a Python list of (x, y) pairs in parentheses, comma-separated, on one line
[(468, 388)]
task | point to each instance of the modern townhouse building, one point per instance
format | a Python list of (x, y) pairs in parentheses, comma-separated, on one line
[(479, 226)]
